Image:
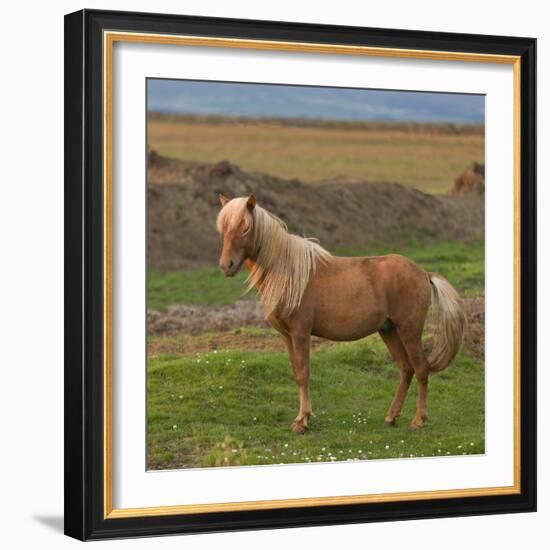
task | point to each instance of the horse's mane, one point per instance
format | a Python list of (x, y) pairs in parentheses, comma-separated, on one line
[(284, 263)]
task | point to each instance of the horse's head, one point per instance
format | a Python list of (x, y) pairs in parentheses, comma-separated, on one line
[(235, 223)]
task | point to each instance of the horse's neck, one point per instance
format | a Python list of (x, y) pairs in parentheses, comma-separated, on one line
[(251, 265), (281, 284)]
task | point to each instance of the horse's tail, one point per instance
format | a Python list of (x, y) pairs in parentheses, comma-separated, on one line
[(450, 323)]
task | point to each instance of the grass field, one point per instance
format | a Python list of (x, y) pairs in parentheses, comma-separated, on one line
[(233, 405), (461, 262), (426, 160)]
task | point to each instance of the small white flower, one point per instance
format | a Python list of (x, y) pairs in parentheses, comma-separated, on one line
[(181, 396), (387, 446), (286, 444), (221, 387), (174, 427)]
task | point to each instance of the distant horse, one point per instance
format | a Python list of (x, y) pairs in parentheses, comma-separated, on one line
[(306, 291)]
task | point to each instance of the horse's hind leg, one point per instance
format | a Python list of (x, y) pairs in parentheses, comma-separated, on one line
[(399, 354), (412, 341)]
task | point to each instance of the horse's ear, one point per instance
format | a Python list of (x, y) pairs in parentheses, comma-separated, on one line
[(251, 202), (223, 199)]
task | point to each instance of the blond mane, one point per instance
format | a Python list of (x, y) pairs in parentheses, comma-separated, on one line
[(284, 263)]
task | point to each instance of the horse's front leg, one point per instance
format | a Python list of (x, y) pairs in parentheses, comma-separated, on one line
[(300, 345)]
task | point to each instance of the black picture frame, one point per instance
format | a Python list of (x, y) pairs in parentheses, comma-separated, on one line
[(84, 281)]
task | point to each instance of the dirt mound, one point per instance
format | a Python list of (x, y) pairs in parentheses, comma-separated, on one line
[(474, 339), (201, 318), (183, 205), (472, 180), (186, 320)]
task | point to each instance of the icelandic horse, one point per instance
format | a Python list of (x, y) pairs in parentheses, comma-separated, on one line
[(307, 291)]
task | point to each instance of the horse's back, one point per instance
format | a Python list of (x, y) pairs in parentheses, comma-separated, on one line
[(391, 269)]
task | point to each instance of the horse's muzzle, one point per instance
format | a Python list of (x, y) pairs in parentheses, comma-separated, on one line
[(229, 269)]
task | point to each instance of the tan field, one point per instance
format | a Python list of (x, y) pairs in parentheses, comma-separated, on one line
[(427, 157)]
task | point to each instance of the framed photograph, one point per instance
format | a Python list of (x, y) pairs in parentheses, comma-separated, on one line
[(300, 274)]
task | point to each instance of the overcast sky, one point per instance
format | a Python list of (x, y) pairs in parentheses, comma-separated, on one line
[(268, 100)]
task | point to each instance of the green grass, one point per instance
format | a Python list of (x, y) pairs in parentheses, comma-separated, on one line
[(462, 263), (235, 408), (202, 286)]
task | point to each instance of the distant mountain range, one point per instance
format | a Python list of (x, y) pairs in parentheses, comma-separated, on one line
[(271, 100)]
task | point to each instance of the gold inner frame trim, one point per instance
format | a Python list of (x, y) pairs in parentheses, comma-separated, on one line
[(109, 39)]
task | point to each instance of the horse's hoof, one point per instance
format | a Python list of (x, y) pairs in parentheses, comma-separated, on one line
[(415, 426), (389, 423), (299, 427)]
